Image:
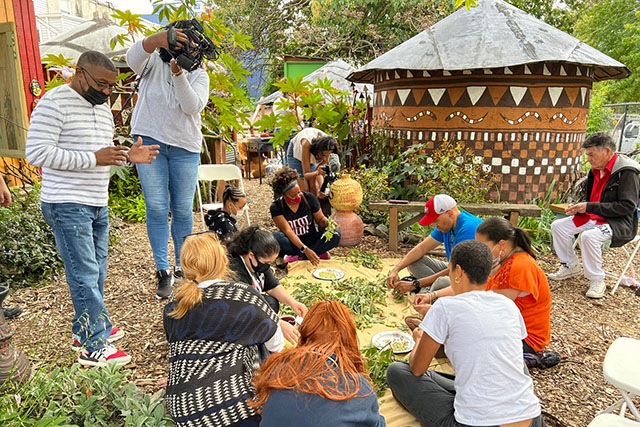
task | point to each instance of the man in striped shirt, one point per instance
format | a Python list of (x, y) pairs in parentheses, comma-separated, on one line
[(71, 138)]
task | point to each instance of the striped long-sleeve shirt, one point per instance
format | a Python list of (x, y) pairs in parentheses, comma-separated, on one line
[(65, 132)]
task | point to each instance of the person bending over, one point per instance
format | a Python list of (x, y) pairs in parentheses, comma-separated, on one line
[(451, 227), (215, 329), (224, 221), (308, 150), (298, 216), (321, 382), (251, 253), (482, 333)]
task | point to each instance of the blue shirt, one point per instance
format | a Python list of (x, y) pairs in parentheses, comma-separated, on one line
[(465, 230)]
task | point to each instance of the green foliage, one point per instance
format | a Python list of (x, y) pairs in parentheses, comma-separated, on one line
[(366, 259), (125, 195), (539, 229), (378, 362), (28, 254), (77, 397), (600, 117), (330, 230), (561, 15), (228, 101), (613, 27), (375, 186), (451, 169), (361, 296), (331, 110)]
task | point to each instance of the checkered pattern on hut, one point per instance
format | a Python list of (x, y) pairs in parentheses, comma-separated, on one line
[(213, 352)]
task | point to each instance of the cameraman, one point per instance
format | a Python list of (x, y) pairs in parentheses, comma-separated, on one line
[(167, 113), (307, 152)]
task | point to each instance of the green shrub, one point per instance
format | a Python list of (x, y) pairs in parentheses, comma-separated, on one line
[(125, 195), (77, 397), (451, 169), (375, 186), (28, 254)]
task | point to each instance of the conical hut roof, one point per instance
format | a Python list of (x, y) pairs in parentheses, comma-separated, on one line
[(493, 34)]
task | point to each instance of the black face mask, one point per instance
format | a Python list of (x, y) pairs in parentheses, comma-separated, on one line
[(94, 96), (260, 267)]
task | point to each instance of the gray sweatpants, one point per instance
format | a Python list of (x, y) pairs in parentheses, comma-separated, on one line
[(427, 266), (429, 397)]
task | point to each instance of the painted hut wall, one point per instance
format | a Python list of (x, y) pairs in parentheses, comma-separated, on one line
[(527, 122), (21, 14)]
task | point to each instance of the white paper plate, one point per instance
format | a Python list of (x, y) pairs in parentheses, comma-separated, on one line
[(381, 339), (337, 274)]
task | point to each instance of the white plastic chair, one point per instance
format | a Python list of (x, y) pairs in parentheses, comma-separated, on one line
[(622, 370), (629, 265), (217, 173), (610, 420)]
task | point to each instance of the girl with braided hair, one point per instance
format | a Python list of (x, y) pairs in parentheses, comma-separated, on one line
[(298, 216), (224, 221)]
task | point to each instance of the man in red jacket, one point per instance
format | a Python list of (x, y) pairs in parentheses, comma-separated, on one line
[(609, 213)]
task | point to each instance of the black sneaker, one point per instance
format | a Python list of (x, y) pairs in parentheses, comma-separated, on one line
[(177, 273), (12, 312), (165, 280)]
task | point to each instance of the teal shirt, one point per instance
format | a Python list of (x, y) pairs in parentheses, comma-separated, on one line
[(465, 230)]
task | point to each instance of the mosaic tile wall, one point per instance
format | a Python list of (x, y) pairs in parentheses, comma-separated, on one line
[(525, 123)]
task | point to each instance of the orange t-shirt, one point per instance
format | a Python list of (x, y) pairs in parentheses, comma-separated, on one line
[(521, 272)]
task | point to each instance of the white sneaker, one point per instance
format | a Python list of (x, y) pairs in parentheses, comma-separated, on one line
[(596, 289), (565, 272), (107, 354)]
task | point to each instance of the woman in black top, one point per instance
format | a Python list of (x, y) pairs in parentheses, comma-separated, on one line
[(298, 216), (224, 221), (251, 251)]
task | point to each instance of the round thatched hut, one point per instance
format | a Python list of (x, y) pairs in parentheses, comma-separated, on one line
[(510, 86)]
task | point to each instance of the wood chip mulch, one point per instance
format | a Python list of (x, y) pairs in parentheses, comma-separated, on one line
[(571, 393)]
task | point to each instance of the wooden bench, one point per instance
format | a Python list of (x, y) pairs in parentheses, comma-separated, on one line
[(510, 211)]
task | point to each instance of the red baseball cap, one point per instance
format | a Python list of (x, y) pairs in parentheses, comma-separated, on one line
[(436, 206)]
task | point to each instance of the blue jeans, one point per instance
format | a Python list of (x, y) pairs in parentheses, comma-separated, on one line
[(317, 244), (168, 183), (82, 238), (296, 164)]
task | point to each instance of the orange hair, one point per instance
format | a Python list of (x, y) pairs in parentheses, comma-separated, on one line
[(202, 258), (327, 330)]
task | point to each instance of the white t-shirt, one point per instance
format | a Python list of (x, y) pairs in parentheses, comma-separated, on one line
[(483, 332), (309, 134)]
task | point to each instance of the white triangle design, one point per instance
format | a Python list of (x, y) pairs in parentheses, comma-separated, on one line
[(517, 92), (446, 73), (583, 92), (397, 75), (527, 70), (578, 72), (383, 96), (488, 71), (403, 93), (554, 93), (425, 73), (545, 70), (475, 92), (507, 70), (562, 71), (409, 74), (436, 94)]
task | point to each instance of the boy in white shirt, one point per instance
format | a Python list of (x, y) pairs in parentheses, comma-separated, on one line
[(482, 333)]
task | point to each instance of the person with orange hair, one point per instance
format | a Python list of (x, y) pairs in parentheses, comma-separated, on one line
[(216, 330), (322, 381)]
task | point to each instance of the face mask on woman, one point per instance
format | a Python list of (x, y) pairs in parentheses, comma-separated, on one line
[(259, 267), (240, 212)]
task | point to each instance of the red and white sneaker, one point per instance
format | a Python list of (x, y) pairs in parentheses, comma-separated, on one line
[(107, 354), (116, 334)]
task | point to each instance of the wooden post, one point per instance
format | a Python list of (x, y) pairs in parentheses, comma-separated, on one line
[(513, 217), (393, 229)]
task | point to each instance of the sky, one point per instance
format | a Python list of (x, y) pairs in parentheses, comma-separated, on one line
[(136, 6)]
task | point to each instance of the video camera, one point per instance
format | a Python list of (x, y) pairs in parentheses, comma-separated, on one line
[(189, 57), (330, 169)]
